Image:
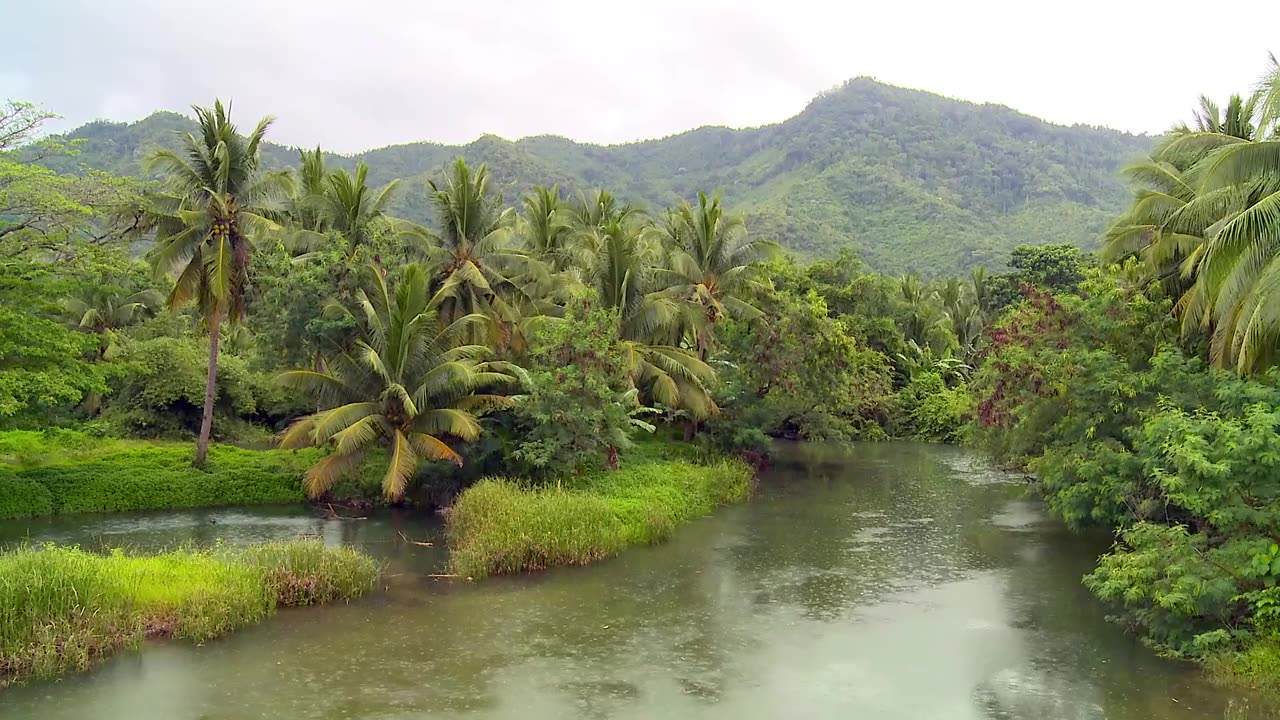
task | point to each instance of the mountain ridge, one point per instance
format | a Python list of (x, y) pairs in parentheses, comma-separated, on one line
[(911, 180)]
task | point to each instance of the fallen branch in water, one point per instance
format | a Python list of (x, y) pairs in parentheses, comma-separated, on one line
[(333, 514), (434, 575), (413, 542)]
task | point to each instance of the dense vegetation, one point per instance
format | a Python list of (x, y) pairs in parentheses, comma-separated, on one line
[(1144, 397), (64, 608), (909, 179), (522, 357)]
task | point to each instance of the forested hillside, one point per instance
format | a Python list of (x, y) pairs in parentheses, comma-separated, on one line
[(913, 181)]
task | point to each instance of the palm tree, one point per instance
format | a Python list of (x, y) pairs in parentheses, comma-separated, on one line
[(547, 230), (476, 269), (411, 381), (102, 311), (963, 312), (712, 265), (312, 176), (923, 316), (601, 209), (216, 200), (622, 274), (1235, 121), (352, 209), (1213, 214)]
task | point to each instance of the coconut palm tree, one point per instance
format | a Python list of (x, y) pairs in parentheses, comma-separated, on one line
[(102, 311), (1212, 211), (411, 382), (312, 175), (216, 200), (352, 209), (600, 209), (712, 266), (1236, 120), (547, 228), (622, 273), (475, 266)]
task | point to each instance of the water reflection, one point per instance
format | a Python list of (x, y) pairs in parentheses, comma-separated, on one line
[(890, 581)]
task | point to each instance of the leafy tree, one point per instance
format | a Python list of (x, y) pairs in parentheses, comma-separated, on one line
[(803, 375), (217, 198), (43, 367), (410, 382), (65, 218), (580, 408)]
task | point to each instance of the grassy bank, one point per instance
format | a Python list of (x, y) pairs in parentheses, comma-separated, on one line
[(56, 475), (63, 608), (504, 526), (1257, 667)]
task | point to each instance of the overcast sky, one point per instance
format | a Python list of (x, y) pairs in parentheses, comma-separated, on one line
[(357, 75)]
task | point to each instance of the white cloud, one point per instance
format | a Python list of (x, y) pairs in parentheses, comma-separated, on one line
[(352, 76)]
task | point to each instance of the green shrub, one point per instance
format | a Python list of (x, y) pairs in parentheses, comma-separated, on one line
[(577, 412), (929, 410), (63, 608), (804, 375), (31, 447), (162, 477), (500, 526), (22, 497), (159, 383)]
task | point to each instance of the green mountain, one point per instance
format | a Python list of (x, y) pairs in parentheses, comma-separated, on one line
[(913, 181)]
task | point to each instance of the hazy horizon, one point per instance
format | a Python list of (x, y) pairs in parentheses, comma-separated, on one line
[(407, 72)]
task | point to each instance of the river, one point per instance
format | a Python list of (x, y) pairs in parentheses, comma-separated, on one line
[(884, 581)]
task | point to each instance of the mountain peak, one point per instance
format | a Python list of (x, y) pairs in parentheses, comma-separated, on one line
[(912, 180)]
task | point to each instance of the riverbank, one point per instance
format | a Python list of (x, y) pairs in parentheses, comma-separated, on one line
[(501, 525), (69, 472), (63, 609)]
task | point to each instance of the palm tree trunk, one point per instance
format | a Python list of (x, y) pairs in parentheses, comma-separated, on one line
[(210, 388)]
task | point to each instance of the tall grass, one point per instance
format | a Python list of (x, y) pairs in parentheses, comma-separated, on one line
[(62, 608), (502, 526)]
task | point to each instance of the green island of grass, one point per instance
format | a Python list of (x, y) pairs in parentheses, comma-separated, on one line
[(63, 608), (500, 525)]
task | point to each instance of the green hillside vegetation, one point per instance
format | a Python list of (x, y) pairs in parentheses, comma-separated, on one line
[(910, 180)]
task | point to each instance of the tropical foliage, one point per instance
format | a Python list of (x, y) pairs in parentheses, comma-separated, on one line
[(410, 383), (1205, 219), (216, 200)]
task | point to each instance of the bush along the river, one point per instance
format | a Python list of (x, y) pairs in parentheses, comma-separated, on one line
[(1124, 429), (63, 608)]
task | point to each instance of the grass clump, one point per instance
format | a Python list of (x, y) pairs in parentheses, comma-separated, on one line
[(62, 608), (1257, 666), (304, 572), (503, 526)]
